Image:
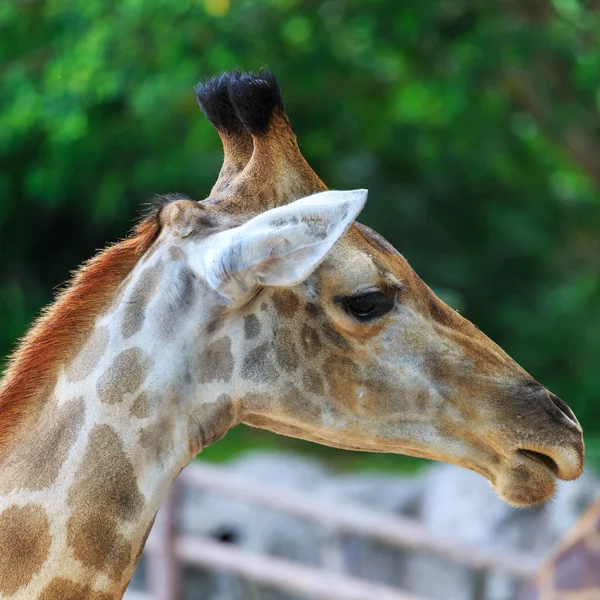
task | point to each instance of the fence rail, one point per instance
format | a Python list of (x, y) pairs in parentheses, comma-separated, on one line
[(166, 551)]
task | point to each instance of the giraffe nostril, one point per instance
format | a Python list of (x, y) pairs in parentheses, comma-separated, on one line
[(563, 407)]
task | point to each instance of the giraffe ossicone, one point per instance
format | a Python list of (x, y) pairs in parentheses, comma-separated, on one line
[(264, 304)]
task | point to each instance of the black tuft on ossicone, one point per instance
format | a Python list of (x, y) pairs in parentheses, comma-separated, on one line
[(214, 101), (256, 97)]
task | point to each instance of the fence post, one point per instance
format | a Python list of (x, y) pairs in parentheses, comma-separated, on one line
[(479, 587), (163, 569), (332, 554)]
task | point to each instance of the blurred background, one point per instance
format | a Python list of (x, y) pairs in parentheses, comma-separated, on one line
[(474, 125)]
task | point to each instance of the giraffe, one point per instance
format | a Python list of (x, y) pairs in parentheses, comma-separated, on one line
[(264, 304), (573, 570)]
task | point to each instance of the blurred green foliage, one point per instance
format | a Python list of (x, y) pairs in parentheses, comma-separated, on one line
[(474, 125)]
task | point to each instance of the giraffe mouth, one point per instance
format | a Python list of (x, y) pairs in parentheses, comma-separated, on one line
[(526, 481), (529, 477), (541, 459)]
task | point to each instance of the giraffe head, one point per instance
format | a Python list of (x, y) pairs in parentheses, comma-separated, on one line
[(319, 329)]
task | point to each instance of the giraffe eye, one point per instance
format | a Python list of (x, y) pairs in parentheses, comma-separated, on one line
[(369, 306)]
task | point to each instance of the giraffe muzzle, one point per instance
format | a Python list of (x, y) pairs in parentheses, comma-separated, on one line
[(548, 445), (559, 445)]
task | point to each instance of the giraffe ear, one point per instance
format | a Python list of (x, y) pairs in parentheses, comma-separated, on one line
[(280, 247)]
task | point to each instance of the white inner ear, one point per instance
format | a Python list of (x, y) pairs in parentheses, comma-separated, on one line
[(280, 247)]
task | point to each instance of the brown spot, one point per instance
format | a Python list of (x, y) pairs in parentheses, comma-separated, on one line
[(577, 568), (125, 375), (105, 494), (177, 253), (311, 343), (312, 309), (87, 359), (214, 325), (145, 288), (217, 320), (64, 589), (256, 402), (157, 438), (285, 352), (251, 326), (299, 406), (24, 545), (313, 382), (331, 335), (382, 397), (286, 303), (208, 221), (215, 363), (210, 422), (140, 406), (258, 364), (439, 311), (343, 378), (35, 463)]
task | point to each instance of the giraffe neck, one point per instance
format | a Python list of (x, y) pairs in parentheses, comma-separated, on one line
[(83, 479)]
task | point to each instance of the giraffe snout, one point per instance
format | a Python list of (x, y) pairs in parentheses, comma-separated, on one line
[(545, 444)]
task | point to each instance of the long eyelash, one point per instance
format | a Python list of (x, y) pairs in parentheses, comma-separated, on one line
[(380, 298)]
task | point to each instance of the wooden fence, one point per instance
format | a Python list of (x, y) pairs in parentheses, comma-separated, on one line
[(166, 551)]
